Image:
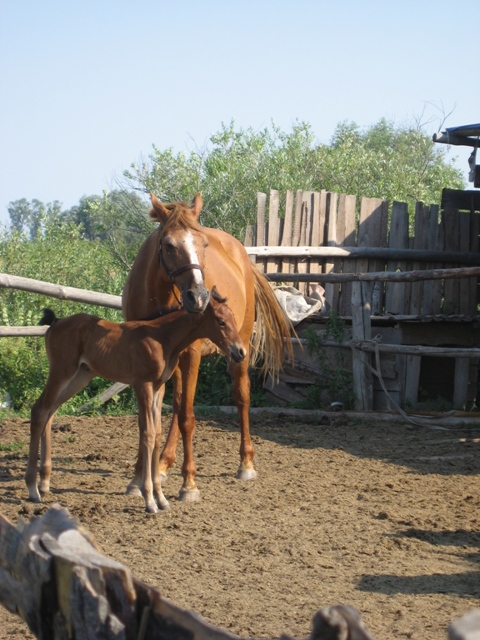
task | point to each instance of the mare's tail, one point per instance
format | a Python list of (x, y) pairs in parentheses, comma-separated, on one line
[(271, 339), (48, 317)]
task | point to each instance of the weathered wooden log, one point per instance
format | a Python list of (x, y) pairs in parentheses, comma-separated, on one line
[(54, 576), (59, 291)]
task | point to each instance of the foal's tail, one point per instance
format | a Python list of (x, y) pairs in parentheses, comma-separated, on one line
[(48, 317), (271, 339)]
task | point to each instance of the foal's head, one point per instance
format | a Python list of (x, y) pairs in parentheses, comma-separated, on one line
[(181, 249), (222, 327)]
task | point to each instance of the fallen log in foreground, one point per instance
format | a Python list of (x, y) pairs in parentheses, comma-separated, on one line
[(54, 577)]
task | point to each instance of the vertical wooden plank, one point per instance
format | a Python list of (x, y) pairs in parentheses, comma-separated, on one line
[(412, 378), (260, 239), (248, 242), (331, 290), (315, 234), (346, 237), (303, 263), (429, 285), (361, 330), (287, 263), (451, 304), (464, 246), (398, 239), (372, 232), (297, 220), (296, 229), (273, 228), (438, 285), (420, 241), (474, 247), (460, 391)]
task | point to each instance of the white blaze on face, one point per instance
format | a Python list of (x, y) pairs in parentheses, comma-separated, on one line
[(193, 257)]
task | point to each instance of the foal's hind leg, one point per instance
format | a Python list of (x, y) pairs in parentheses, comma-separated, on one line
[(59, 389)]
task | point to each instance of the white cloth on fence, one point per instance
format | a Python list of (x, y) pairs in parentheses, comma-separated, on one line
[(296, 305)]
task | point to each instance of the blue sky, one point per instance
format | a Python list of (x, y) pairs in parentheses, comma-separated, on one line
[(87, 87)]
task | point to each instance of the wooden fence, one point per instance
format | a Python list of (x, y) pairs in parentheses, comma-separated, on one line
[(378, 261), (326, 233)]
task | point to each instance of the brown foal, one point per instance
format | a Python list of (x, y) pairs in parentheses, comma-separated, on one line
[(141, 353)]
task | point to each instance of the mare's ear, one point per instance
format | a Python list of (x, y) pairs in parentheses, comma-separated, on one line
[(158, 212), (197, 205)]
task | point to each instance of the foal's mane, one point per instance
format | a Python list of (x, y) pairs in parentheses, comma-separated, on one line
[(162, 311), (180, 216)]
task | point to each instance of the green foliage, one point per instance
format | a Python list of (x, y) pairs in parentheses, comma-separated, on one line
[(336, 383), (390, 162), (59, 255)]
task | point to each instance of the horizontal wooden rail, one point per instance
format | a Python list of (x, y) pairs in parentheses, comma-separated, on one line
[(377, 276), (17, 332), (403, 349), (418, 255), (59, 291)]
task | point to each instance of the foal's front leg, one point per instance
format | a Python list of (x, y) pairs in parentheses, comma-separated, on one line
[(149, 447)]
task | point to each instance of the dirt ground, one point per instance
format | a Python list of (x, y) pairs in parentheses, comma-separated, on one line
[(381, 516)]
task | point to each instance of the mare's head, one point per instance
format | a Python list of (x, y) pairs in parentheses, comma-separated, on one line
[(223, 329), (181, 250)]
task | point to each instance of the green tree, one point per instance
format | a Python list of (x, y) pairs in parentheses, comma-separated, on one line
[(29, 217), (387, 161), (118, 218)]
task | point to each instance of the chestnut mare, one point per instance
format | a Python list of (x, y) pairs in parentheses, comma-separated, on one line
[(182, 259), (142, 354)]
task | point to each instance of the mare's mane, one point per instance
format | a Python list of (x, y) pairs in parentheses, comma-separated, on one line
[(180, 216)]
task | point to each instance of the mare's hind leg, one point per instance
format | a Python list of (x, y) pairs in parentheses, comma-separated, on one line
[(241, 392), (59, 389)]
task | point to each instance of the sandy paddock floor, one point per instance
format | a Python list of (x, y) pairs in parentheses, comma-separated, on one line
[(380, 516)]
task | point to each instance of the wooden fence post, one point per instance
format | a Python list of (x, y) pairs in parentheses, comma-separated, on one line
[(361, 330)]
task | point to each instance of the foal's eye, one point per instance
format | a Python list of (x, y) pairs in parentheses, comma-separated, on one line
[(221, 323)]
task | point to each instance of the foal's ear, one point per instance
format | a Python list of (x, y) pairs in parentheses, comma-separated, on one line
[(197, 205), (158, 212)]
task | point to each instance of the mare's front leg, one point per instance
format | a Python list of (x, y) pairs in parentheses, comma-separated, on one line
[(188, 366), (241, 392), (148, 447)]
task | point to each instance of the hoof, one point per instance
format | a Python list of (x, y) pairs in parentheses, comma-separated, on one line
[(246, 474), (164, 505), (133, 490), (35, 499), (151, 508), (44, 488), (189, 495)]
